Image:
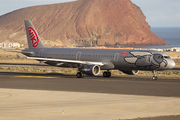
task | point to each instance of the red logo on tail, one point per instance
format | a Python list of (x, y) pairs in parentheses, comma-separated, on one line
[(34, 37)]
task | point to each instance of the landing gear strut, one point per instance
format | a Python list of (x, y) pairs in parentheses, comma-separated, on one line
[(107, 74), (154, 76), (80, 75)]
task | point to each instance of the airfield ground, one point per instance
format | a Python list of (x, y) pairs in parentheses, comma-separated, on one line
[(27, 96), (16, 83)]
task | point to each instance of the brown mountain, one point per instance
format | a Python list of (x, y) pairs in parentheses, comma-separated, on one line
[(105, 21)]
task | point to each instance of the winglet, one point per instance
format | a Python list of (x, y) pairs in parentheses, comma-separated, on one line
[(34, 41)]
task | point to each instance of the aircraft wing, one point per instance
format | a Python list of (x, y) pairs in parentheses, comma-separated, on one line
[(68, 61)]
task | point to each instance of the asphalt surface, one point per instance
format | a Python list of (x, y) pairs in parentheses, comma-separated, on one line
[(129, 85)]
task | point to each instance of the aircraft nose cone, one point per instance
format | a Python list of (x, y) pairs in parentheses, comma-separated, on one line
[(172, 64)]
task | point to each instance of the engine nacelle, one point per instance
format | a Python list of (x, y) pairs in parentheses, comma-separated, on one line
[(130, 72), (91, 70)]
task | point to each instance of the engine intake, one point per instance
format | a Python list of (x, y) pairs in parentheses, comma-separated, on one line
[(91, 70), (130, 72)]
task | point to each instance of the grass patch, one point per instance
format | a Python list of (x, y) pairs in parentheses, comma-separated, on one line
[(74, 71)]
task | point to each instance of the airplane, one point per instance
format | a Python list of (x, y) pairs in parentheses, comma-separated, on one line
[(92, 61)]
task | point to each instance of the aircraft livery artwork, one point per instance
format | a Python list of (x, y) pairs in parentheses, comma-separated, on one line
[(146, 60), (34, 37), (92, 61)]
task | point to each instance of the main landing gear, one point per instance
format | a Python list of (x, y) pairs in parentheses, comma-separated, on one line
[(154, 76), (80, 75), (107, 74)]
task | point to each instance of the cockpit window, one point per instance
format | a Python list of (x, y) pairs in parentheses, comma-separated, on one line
[(167, 57), (162, 57)]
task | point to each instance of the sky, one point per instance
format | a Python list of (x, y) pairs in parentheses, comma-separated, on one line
[(159, 13)]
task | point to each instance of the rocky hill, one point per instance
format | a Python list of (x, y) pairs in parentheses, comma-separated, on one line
[(104, 21)]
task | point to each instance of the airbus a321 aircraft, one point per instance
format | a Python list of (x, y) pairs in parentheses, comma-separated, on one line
[(92, 61)]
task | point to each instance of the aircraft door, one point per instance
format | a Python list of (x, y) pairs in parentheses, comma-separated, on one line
[(78, 56), (41, 52), (148, 57), (116, 57)]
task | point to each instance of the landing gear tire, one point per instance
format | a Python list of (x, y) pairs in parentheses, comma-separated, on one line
[(106, 74), (79, 75), (155, 78)]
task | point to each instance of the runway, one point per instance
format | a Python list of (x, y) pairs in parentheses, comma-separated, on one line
[(26, 96), (131, 85)]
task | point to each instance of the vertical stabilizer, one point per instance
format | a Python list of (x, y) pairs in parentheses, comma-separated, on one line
[(34, 41)]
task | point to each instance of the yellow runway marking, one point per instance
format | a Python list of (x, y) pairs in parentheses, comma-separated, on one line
[(34, 77)]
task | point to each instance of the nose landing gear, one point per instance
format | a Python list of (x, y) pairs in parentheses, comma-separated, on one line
[(154, 76)]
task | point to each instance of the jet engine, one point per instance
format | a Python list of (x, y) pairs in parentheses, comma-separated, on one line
[(130, 72), (91, 70)]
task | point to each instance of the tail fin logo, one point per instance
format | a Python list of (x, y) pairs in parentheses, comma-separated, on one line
[(33, 36)]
